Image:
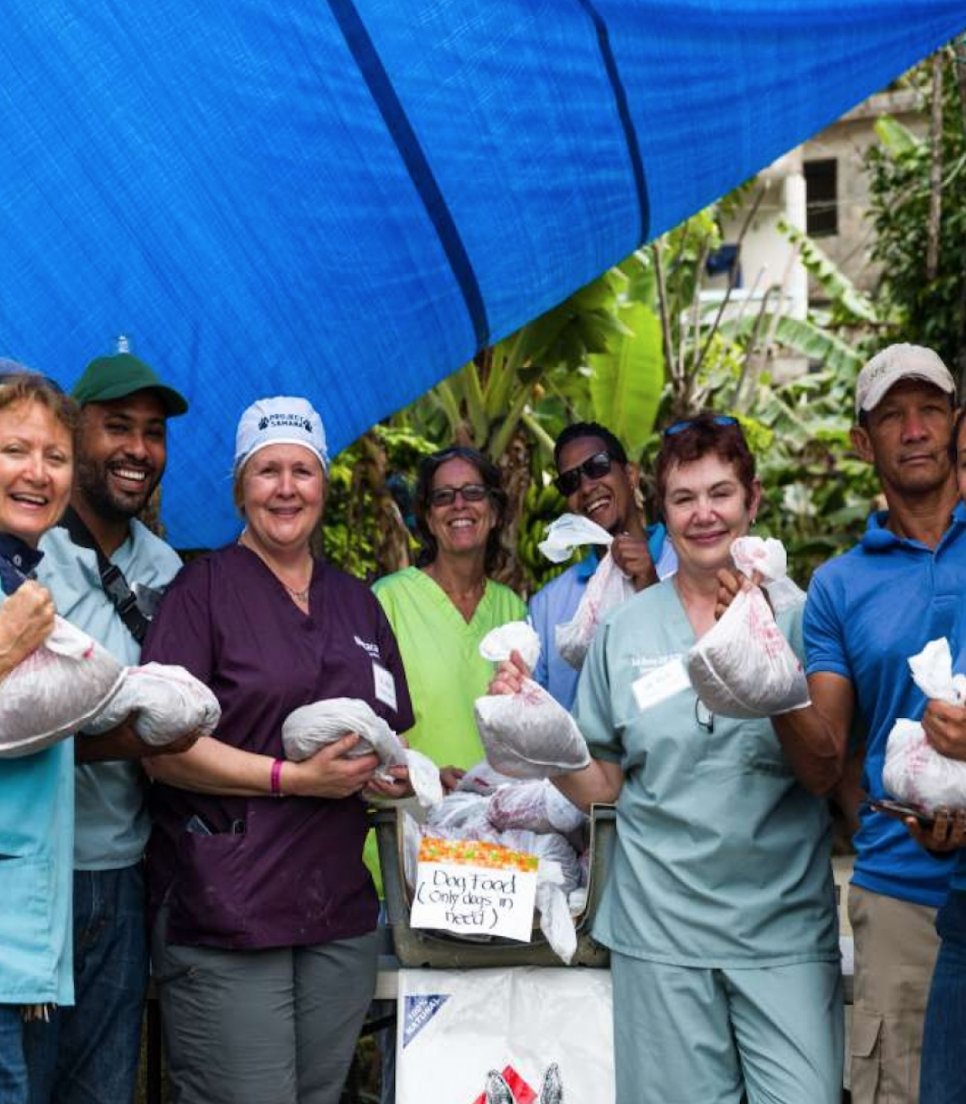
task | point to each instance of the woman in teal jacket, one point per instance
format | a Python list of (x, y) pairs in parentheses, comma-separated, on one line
[(36, 791)]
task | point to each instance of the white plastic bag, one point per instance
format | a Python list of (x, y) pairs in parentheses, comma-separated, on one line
[(505, 1034), (768, 557), (312, 727), (607, 587), (55, 690), (744, 666), (528, 734), (167, 700), (914, 771), (536, 805)]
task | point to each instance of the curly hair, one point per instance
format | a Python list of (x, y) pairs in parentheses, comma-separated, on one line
[(691, 440)]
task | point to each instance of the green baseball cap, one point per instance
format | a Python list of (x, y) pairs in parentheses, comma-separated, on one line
[(120, 375)]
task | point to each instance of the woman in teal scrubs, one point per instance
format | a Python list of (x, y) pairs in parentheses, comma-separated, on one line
[(36, 791), (719, 911)]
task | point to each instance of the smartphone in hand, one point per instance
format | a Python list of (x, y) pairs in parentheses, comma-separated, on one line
[(901, 810)]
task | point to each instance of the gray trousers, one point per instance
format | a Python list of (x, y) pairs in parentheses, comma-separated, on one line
[(276, 1026)]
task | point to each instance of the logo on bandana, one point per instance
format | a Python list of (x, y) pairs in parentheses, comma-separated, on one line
[(271, 421)]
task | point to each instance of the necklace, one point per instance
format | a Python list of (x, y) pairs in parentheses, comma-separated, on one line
[(299, 595)]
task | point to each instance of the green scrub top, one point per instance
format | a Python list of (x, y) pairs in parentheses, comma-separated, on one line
[(441, 653), (722, 857)]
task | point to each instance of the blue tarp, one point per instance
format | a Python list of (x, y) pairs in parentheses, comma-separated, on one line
[(348, 199)]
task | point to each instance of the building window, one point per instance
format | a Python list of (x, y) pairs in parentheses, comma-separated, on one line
[(821, 198)]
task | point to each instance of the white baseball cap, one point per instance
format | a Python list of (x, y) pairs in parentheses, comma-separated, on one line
[(895, 363), (282, 420)]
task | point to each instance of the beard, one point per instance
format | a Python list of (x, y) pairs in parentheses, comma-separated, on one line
[(93, 483)]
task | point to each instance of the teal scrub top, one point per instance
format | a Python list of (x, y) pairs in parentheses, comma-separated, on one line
[(722, 857), (36, 853)]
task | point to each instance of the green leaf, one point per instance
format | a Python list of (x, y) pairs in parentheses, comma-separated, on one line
[(833, 281), (897, 138), (626, 385), (809, 340)]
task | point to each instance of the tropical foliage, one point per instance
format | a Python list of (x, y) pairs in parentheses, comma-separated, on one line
[(918, 209), (645, 344)]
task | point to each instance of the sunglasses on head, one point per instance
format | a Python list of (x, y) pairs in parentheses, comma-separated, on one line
[(686, 423), (594, 467), (469, 492)]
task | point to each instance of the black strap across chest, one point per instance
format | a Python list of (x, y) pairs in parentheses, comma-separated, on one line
[(112, 578)]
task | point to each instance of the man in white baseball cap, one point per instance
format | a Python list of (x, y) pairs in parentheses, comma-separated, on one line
[(895, 363), (867, 612)]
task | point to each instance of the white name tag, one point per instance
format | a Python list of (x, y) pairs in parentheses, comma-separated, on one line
[(385, 685), (663, 682)]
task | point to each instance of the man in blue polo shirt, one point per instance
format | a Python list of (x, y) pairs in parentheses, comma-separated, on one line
[(867, 612), (599, 483)]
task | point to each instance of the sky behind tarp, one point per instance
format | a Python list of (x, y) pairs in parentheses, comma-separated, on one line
[(347, 199)]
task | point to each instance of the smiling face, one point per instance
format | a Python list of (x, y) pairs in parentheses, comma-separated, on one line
[(121, 453), (706, 507), (282, 495), (906, 437), (609, 500), (36, 468), (460, 528)]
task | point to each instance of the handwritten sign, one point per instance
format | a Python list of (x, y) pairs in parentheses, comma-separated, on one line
[(474, 888)]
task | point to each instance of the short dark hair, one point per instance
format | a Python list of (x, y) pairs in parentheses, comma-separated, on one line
[(696, 439), (615, 450), (491, 478)]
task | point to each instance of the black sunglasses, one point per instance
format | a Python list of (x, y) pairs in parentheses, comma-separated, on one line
[(594, 467), (469, 492), (686, 423)]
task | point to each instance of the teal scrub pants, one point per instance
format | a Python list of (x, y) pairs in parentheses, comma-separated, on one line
[(684, 1034)]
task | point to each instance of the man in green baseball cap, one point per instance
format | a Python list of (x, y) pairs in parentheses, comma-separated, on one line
[(123, 374), (106, 571)]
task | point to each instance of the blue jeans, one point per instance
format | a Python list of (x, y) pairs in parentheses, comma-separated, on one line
[(13, 1069), (943, 1069), (88, 1054)]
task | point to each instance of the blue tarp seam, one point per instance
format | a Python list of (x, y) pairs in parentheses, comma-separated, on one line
[(623, 111), (380, 87)]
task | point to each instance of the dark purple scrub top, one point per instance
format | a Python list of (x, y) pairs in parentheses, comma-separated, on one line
[(273, 871)]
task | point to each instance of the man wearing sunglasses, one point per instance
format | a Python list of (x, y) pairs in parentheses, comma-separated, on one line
[(599, 483), (106, 572)]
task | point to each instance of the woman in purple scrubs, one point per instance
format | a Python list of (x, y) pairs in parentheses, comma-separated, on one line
[(264, 945)]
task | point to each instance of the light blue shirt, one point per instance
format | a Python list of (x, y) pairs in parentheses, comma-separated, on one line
[(722, 856), (112, 821), (36, 842), (556, 603)]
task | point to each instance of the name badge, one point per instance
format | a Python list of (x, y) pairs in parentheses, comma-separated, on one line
[(385, 685), (663, 682)]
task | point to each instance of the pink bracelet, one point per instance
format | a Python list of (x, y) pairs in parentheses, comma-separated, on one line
[(277, 778)]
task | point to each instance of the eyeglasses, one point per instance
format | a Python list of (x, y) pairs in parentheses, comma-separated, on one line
[(594, 467), (703, 716), (686, 423), (469, 492)]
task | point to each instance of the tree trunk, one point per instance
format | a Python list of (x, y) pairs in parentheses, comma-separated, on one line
[(935, 169)]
